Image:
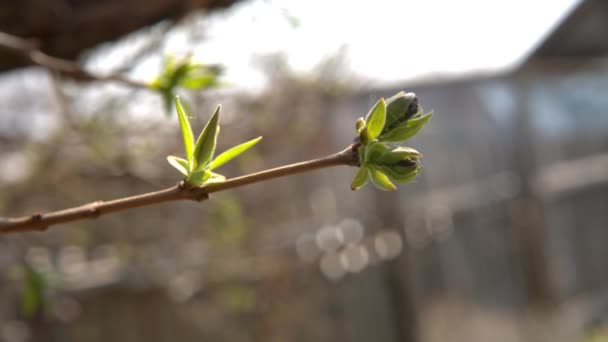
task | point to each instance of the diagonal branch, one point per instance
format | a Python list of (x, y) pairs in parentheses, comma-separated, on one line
[(65, 67), (178, 192)]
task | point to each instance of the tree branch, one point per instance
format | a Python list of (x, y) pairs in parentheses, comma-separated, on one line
[(179, 192), (65, 67)]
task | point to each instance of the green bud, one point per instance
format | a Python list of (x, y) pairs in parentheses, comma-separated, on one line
[(364, 136), (380, 153), (388, 122), (402, 172), (397, 155), (400, 108), (360, 124), (400, 164)]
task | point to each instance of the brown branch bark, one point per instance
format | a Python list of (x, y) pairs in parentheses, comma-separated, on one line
[(64, 67), (66, 29), (179, 192)]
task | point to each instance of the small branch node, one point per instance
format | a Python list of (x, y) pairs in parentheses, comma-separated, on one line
[(198, 194), (93, 212)]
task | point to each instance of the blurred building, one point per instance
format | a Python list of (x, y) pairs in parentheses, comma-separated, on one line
[(510, 210)]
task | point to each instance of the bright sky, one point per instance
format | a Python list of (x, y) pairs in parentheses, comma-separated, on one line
[(388, 41)]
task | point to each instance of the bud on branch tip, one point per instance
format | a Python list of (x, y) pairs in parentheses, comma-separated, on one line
[(388, 123)]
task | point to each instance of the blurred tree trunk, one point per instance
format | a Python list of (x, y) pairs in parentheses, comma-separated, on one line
[(64, 28)]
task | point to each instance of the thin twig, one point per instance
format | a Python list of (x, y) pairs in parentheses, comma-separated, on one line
[(179, 192), (65, 67)]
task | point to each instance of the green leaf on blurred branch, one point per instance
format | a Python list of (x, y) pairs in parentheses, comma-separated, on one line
[(33, 298), (183, 73)]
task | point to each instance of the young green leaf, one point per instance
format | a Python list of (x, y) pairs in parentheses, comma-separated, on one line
[(228, 155), (380, 180), (360, 178), (198, 81), (205, 145), (180, 164), (215, 178), (374, 121), (184, 124), (406, 129)]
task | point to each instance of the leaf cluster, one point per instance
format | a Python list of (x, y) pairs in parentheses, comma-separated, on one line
[(200, 162), (183, 73), (387, 124)]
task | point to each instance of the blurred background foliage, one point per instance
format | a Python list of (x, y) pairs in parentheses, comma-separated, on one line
[(501, 238)]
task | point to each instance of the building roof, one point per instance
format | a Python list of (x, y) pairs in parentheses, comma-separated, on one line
[(582, 34)]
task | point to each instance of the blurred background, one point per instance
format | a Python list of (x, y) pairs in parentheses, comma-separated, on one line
[(501, 238)]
